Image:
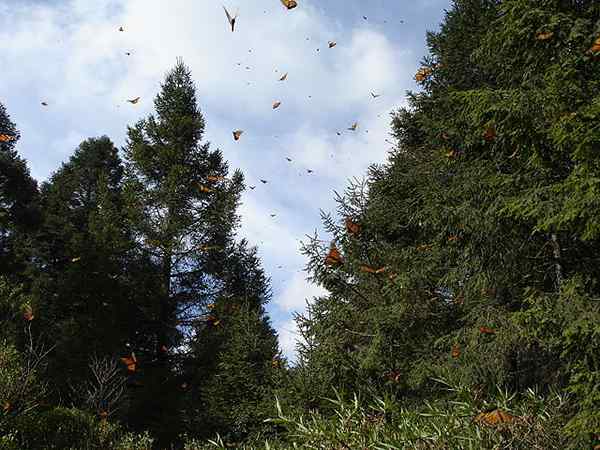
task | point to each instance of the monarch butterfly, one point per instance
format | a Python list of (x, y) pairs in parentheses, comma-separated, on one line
[(275, 363), (130, 362), (276, 104), (103, 415), (490, 134), (215, 178), (133, 101), (544, 35), (44, 104), (237, 134), (289, 4), (210, 306), (332, 44), (392, 276), (6, 138), (451, 154), (494, 417), (486, 330), (212, 320), (230, 19), (6, 406), (284, 77), (453, 238), (28, 313), (164, 349), (375, 95), (596, 47), (393, 375), (352, 227), (77, 259), (424, 247), (423, 73), (455, 351), (264, 181), (204, 188), (371, 270), (353, 127), (334, 257), (121, 29)]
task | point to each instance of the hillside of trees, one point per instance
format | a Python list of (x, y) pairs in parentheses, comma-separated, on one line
[(462, 275)]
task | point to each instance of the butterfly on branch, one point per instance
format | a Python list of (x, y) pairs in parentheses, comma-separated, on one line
[(334, 257)]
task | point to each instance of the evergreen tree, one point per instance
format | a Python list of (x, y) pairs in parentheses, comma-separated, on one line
[(483, 220), (18, 201), (183, 211), (88, 300), (236, 363)]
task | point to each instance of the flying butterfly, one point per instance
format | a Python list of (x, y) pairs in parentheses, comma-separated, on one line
[(276, 104), (289, 159), (264, 181), (352, 227), (44, 104), (332, 44), (493, 418), (334, 257), (252, 187), (237, 134), (121, 29), (134, 101), (283, 77), (353, 127), (130, 362), (289, 4), (230, 19), (310, 171), (375, 95)]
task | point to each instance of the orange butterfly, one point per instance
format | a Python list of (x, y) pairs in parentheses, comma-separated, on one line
[(130, 362), (334, 257), (455, 351), (28, 313), (6, 407), (424, 247), (494, 417), (392, 276), (276, 104), (164, 349), (423, 73), (275, 363), (490, 134), (237, 134), (453, 238), (595, 47), (77, 259), (215, 178), (352, 227), (393, 375), (103, 415), (486, 330), (6, 138), (371, 270), (353, 127), (544, 35), (451, 154), (289, 4), (205, 189)]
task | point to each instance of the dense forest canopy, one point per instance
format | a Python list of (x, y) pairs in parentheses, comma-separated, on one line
[(462, 305)]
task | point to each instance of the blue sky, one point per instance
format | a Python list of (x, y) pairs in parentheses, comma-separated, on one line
[(70, 54)]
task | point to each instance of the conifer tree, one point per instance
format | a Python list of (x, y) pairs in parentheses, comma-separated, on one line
[(86, 297), (482, 221), (182, 208), (18, 201)]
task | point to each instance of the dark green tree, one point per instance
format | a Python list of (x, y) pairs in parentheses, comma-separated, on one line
[(18, 202), (483, 218)]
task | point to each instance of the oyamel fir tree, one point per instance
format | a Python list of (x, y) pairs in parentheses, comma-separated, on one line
[(18, 202), (183, 209), (472, 255), (88, 277)]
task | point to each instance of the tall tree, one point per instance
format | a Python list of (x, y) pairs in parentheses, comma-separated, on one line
[(183, 210), (87, 299), (18, 201)]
